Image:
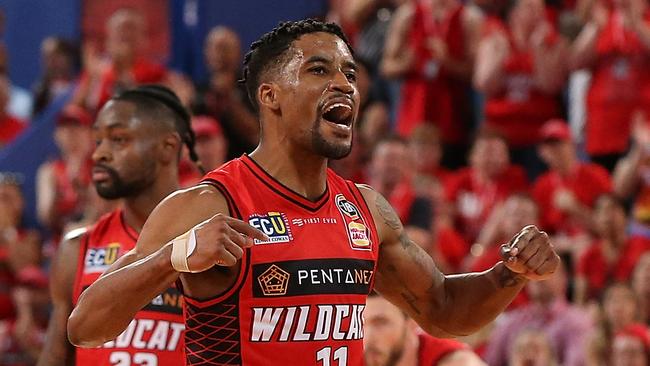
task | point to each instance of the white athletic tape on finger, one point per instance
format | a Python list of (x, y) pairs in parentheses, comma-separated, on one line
[(182, 248)]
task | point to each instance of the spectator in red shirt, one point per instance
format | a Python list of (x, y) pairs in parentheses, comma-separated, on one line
[(612, 256), (520, 68), (632, 177), (431, 46), (615, 45), (124, 66), (567, 192), (62, 184), (490, 179), (10, 126), (631, 346), (391, 338), (210, 146), (426, 150)]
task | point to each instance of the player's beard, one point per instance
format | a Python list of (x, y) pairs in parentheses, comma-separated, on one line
[(325, 148), (117, 187)]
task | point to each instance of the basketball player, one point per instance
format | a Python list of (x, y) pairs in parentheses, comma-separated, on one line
[(276, 254), (139, 135)]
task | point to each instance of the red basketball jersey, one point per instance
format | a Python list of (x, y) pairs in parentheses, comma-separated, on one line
[(299, 298), (155, 336)]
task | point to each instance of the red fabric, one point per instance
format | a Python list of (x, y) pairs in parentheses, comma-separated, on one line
[(335, 231), (619, 74), (402, 199), (432, 350), (10, 128), (520, 109), (594, 266), (587, 182), (155, 335), (452, 247), (474, 200), (188, 174), (429, 93), (67, 188)]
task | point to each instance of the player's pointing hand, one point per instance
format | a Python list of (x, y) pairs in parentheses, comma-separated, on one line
[(531, 254), (220, 240)]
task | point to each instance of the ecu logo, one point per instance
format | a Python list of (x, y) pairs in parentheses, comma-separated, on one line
[(274, 224), (99, 259), (274, 281)]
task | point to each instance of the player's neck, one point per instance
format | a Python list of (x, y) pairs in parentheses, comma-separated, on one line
[(138, 208), (305, 174)]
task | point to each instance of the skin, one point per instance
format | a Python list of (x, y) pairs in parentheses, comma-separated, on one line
[(295, 145), (628, 351), (142, 154)]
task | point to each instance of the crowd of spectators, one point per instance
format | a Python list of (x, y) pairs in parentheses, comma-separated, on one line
[(478, 117)]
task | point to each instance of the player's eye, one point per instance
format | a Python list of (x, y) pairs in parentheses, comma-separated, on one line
[(318, 70), (352, 76)]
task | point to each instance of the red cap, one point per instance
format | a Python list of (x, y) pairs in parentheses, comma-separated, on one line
[(555, 129), (206, 126), (638, 331), (32, 276), (73, 114)]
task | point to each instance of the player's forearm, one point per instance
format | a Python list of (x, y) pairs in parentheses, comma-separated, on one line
[(475, 299), (107, 307)]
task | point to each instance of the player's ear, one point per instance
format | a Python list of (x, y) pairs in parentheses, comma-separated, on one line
[(170, 146), (267, 96)]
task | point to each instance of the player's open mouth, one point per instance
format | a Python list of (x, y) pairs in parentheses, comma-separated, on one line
[(338, 112)]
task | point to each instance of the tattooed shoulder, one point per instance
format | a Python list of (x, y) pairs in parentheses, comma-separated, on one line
[(387, 213)]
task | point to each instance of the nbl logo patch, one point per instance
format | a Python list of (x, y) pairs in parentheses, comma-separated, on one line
[(356, 227), (274, 224), (347, 208)]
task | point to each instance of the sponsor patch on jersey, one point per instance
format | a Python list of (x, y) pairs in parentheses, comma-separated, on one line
[(358, 235), (302, 221), (99, 259), (347, 208), (313, 277), (274, 224)]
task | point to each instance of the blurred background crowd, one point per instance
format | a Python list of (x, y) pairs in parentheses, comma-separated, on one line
[(479, 117)]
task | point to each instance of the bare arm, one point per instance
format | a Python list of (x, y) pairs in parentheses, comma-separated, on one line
[(45, 195), (626, 174), (57, 350), (583, 51), (472, 23), (105, 309), (358, 11), (490, 58), (456, 304), (398, 57), (549, 61)]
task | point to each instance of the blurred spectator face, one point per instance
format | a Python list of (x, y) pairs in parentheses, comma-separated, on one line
[(424, 146), (628, 351), (57, 61), (12, 203), (489, 156), (547, 291), (211, 146), (124, 34), (609, 217), (556, 154), (526, 14), (73, 135), (222, 50), (388, 161), (620, 306), (531, 348), (385, 327), (519, 211)]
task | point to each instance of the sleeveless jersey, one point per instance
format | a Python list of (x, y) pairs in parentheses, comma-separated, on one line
[(155, 336), (299, 298)]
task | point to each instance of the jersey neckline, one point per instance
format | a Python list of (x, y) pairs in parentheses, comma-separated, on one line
[(283, 191)]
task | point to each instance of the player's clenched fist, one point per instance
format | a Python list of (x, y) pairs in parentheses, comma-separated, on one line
[(219, 240), (531, 254)]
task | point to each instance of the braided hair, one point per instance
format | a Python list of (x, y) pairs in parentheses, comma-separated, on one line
[(153, 97), (269, 52)]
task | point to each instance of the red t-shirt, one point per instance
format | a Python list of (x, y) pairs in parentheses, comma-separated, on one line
[(587, 182), (474, 200), (594, 267), (432, 350), (521, 108), (452, 247), (618, 77), (10, 128), (429, 93)]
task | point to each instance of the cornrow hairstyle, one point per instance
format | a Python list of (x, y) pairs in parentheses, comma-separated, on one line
[(164, 96), (267, 52)]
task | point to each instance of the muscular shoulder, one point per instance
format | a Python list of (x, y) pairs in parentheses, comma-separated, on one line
[(386, 220)]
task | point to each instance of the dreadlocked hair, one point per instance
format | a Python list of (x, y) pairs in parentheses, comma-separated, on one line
[(269, 51), (154, 96)]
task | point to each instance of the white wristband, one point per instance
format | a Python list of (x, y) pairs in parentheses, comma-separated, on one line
[(182, 248)]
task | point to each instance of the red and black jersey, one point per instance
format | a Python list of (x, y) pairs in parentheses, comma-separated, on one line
[(299, 298), (155, 336)]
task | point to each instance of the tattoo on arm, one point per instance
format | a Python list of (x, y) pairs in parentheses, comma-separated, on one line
[(387, 213), (507, 278)]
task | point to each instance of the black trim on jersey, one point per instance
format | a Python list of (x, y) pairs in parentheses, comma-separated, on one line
[(234, 211), (126, 227), (283, 195)]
